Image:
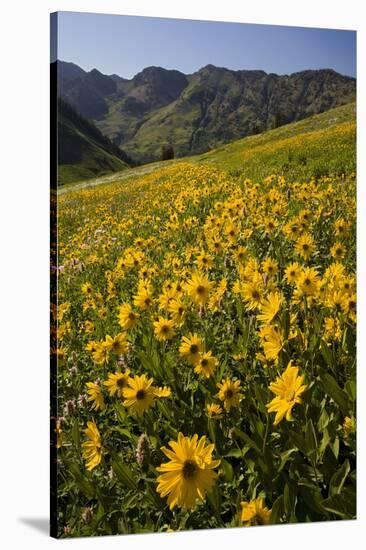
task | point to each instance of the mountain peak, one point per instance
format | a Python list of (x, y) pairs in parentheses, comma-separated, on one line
[(153, 69), (157, 85), (154, 72), (104, 84), (96, 72), (69, 71), (209, 67), (212, 68), (117, 78)]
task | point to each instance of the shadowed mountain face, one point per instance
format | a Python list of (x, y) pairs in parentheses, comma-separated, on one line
[(85, 91), (83, 151), (197, 112)]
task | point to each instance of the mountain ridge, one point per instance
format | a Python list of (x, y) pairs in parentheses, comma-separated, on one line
[(208, 66)]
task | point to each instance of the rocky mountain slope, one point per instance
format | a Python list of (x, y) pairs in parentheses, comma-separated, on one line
[(195, 113)]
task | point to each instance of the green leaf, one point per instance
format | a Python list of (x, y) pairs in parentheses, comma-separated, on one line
[(75, 433), (97, 517), (258, 428), (245, 336), (326, 353), (312, 496), (277, 511), (323, 419), (289, 500), (248, 440), (170, 431), (351, 341), (336, 393), (132, 501), (214, 500), (154, 498), (338, 479), (228, 470), (350, 388), (124, 474), (123, 431), (236, 453), (285, 456), (286, 323), (239, 309), (342, 505), (82, 481), (311, 441), (335, 447), (324, 442), (298, 440), (121, 413), (211, 425), (165, 410), (262, 397)]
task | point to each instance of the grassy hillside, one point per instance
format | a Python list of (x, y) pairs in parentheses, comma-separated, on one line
[(214, 314), (320, 145), (323, 144), (83, 151)]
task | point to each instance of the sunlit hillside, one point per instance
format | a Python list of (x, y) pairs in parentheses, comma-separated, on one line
[(207, 325)]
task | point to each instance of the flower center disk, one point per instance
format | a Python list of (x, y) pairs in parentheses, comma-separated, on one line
[(190, 469), (140, 394)]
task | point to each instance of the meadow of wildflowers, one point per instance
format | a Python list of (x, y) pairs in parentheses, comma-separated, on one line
[(206, 351)]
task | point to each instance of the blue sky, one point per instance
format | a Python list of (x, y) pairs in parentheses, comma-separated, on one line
[(126, 44)]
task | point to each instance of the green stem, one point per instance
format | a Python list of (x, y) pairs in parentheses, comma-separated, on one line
[(265, 434)]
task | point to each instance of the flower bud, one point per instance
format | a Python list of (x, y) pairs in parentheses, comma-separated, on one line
[(82, 400), (87, 514), (143, 450), (73, 371), (69, 407)]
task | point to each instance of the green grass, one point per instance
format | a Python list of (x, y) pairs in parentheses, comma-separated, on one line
[(320, 145), (92, 163)]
